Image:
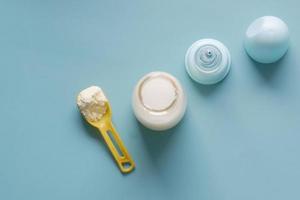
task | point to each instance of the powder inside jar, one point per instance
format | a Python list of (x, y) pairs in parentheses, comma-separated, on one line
[(91, 102)]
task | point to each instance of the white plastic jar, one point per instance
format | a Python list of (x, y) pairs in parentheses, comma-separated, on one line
[(159, 101)]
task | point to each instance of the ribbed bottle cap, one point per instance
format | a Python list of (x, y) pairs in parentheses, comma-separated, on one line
[(207, 61)]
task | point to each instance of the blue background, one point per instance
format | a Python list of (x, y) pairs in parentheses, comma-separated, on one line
[(238, 140)]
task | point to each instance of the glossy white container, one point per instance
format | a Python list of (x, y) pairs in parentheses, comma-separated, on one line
[(159, 101), (267, 39)]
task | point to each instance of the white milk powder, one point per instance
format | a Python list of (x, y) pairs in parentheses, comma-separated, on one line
[(91, 102)]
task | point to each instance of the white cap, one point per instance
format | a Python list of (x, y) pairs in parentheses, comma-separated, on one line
[(267, 39), (158, 101), (207, 61)]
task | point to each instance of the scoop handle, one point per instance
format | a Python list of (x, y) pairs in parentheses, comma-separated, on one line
[(117, 148)]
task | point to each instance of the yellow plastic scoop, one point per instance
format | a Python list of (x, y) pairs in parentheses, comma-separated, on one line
[(95, 108)]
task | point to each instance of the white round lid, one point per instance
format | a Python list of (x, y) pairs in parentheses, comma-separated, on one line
[(207, 61), (159, 101), (267, 39)]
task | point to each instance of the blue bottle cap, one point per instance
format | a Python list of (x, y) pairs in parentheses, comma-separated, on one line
[(207, 61)]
